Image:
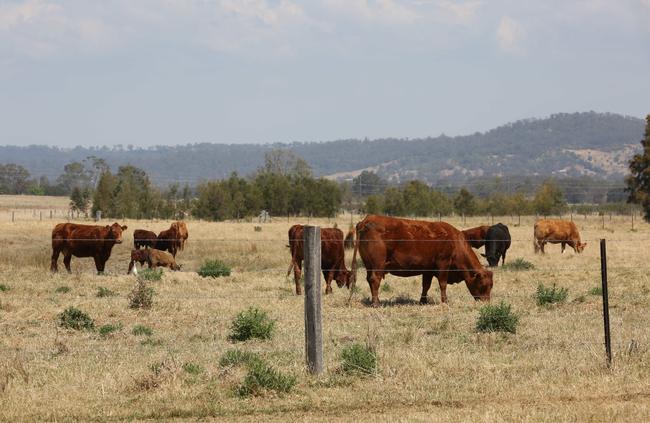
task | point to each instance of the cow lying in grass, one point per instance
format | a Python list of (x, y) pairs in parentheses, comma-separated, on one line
[(154, 258)]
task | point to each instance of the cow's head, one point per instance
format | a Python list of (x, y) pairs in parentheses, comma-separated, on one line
[(344, 278), (580, 246), (493, 260), (176, 266), (480, 284), (115, 232)]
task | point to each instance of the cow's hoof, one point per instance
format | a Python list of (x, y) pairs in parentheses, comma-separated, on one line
[(424, 300), (375, 305)]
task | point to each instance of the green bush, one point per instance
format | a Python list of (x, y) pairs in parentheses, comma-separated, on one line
[(237, 357), (73, 318), (151, 274), (359, 359), (214, 269), (518, 264), (141, 330), (141, 296), (4, 288), (108, 329), (105, 292), (550, 295), (252, 323), (596, 290), (262, 377), (63, 289), (497, 318)]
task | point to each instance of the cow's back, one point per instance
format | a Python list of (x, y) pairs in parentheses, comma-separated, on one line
[(556, 230)]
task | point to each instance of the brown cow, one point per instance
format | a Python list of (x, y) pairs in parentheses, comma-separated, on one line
[(557, 232), (405, 248), (73, 239), (181, 228), (169, 240), (138, 256), (332, 257), (476, 236), (144, 238), (154, 258)]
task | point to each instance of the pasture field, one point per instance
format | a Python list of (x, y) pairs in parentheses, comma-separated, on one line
[(433, 365)]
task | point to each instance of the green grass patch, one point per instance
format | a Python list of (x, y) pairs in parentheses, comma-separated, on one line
[(237, 357), (108, 329), (261, 378), (596, 290), (214, 269), (73, 318), (4, 288), (359, 359), (152, 342), (518, 264), (385, 287), (497, 318), (193, 368), (550, 295), (252, 323), (150, 274), (63, 289), (105, 292), (139, 330)]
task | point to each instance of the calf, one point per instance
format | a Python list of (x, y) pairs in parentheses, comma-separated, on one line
[(497, 242), (154, 258), (138, 256)]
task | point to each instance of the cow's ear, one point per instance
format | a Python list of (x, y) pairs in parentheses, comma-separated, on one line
[(124, 228), (483, 255)]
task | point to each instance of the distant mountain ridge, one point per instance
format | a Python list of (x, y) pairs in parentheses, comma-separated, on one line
[(564, 144)]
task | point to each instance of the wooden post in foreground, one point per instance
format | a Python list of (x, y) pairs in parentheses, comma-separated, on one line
[(603, 274), (313, 317)]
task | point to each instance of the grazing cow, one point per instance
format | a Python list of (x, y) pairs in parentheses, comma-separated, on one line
[(557, 232), (406, 248), (73, 239), (332, 257), (154, 258), (144, 238), (169, 240), (497, 242), (476, 236), (183, 234)]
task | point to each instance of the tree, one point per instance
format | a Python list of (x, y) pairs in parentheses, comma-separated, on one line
[(373, 205), (638, 182), (74, 175), (285, 162), (103, 197), (13, 179), (393, 202), (549, 199), (368, 183), (80, 200), (417, 199), (464, 202)]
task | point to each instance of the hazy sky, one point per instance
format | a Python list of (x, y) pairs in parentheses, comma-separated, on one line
[(146, 72)]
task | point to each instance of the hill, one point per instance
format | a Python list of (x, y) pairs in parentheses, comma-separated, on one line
[(565, 144)]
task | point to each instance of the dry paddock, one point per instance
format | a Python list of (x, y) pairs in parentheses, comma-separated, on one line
[(434, 366)]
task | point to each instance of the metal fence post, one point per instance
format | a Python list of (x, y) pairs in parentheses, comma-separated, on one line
[(313, 317), (603, 274)]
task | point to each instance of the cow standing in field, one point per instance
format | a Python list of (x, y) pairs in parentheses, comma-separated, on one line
[(144, 238), (183, 234), (497, 242), (557, 232), (73, 239), (332, 257), (406, 248), (476, 236), (169, 240)]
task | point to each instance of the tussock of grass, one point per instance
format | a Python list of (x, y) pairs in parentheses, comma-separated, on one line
[(518, 264), (497, 318), (139, 330), (193, 368), (252, 323), (73, 318), (261, 377), (109, 329), (62, 289), (214, 269), (105, 292), (141, 297), (596, 290), (550, 295), (4, 288), (150, 274), (359, 359), (237, 357)]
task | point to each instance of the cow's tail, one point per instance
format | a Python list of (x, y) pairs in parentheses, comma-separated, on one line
[(353, 284), (348, 244)]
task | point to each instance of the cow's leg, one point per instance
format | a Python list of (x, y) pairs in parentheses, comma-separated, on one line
[(442, 281), (563, 247), (374, 280), (426, 284), (536, 245), (503, 258), (329, 275), (131, 264), (54, 267), (99, 264), (67, 257), (541, 246), (297, 273)]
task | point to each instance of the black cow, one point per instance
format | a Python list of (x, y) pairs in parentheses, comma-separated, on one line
[(497, 242)]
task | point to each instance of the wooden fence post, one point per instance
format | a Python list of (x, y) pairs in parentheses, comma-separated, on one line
[(13, 216), (313, 317), (603, 275)]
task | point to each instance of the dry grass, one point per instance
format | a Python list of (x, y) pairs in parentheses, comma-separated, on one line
[(432, 363)]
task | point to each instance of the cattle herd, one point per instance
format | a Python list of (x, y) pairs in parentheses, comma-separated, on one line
[(386, 245)]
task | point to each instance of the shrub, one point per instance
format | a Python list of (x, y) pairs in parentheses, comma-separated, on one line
[(73, 318), (108, 329), (151, 274), (4, 288), (252, 323), (518, 264), (497, 318), (141, 330), (62, 289), (151, 342), (550, 295), (359, 359), (141, 296), (192, 368), (105, 292), (262, 377), (236, 357), (214, 269), (596, 290)]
